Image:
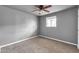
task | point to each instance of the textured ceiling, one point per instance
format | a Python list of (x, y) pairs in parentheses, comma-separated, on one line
[(30, 8)]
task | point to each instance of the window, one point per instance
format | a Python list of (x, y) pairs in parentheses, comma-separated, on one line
[(51, 21)]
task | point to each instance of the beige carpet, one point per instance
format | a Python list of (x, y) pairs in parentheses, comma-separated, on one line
[(40, 45)]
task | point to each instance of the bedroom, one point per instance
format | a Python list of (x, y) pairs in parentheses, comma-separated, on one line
[(39, 29)]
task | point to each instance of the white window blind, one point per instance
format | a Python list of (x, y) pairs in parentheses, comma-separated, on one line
[(51, 21)]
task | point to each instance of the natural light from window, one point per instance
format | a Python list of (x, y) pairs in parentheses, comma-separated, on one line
[(51, 21)]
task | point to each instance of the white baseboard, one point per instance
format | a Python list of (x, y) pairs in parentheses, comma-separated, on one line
[(58, 40), (17, 42)]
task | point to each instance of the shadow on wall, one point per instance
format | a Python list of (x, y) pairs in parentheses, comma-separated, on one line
[(10, 34), (26, 30)]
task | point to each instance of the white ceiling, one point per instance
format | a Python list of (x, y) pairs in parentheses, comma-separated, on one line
[(30, 8)]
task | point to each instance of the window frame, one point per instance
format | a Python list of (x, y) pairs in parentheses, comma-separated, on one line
[(51, 21)]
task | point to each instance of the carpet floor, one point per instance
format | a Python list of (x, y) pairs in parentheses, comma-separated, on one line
[(40, 45)]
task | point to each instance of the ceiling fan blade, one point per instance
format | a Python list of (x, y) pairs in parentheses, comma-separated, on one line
[(47, 6), (46, 10)]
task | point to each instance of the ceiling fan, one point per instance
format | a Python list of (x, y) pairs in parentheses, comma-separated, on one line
[(42, 8)]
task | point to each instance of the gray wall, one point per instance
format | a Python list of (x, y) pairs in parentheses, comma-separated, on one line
[(78, 27), (16, 25), (66, 29)]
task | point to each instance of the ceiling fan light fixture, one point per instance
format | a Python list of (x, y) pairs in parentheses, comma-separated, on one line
[(42, 8)]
